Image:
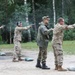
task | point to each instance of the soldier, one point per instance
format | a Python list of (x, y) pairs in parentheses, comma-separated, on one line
[(42, 42), (57, 41), (17, 40)]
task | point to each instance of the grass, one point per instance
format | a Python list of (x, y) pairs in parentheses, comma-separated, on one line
[(68, 46), (29, 45)]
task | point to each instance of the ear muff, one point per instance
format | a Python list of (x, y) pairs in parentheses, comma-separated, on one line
[(18, 23)]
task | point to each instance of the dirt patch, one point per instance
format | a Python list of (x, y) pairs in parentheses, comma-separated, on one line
[(7, 67)]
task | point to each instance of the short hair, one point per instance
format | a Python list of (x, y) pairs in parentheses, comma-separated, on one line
[(60, 19)]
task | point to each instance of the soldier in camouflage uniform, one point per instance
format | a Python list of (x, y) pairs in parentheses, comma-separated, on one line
[(42, 42), (57, 41), (17, 40)]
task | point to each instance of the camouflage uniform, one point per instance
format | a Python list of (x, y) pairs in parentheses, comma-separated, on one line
[(17, 40), (57, 41), (42, 41)]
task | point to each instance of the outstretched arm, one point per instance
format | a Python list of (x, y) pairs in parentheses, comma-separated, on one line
[(46, 31), (71, 26), (24, 28), (2, 27)]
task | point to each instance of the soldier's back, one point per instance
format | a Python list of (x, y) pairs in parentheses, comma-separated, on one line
[(17, 34), (57, 34)]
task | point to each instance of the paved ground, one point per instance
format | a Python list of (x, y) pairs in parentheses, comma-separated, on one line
[(7, 67)]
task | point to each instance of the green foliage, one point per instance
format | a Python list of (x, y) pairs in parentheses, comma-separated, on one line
[(12, 11), (17, 13), (20, 13), (69, 35)]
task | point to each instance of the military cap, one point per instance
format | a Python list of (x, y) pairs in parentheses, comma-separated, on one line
[(45, 17)]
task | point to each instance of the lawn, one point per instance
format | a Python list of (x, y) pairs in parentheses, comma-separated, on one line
[(68, 46)]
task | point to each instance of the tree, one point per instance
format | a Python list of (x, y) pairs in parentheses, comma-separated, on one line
[(62, 8), (54, 12), (33, 8)]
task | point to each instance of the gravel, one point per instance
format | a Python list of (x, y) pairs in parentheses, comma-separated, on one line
[(7, 67)]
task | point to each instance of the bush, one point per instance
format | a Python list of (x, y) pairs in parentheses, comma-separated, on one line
[(69, 35)]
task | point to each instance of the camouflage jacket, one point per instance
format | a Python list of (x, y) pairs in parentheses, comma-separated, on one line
[(43, 35), (18, 33), (58, 33)]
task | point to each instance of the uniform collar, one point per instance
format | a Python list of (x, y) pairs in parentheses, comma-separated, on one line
[(58, 23)]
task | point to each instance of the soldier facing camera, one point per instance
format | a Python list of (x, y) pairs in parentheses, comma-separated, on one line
[(42, 42)]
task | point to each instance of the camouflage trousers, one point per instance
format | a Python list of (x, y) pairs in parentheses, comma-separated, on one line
[(17, 49), (58, 53), (42, 54)]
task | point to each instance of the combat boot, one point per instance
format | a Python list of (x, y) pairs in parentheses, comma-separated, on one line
[(14, 60), (56, 67), (61, 69), (19, 58), (44, 66), (38, 65)]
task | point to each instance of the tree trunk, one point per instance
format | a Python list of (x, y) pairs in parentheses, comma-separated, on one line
[(27, 21), (6, 18), (54, 12), (62, 8), (10, 34), (34, 17)]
